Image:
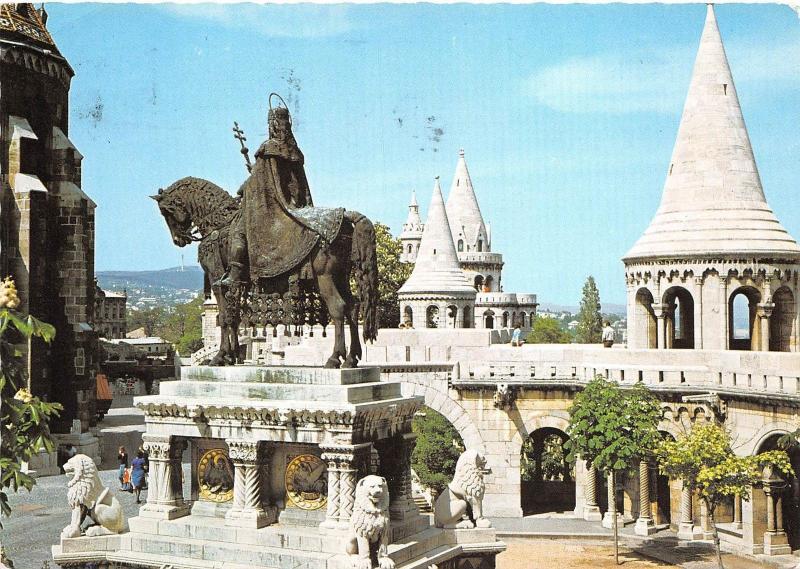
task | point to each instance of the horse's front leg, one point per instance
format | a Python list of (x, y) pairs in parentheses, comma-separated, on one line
[(353, 309), (224, 344), (336, 308)]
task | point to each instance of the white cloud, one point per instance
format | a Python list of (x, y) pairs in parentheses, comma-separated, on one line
[(308, 21)]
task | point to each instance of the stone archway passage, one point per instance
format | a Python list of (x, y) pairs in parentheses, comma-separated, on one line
[(679, 318), (548, 478), (782, 320), (742, 305), (789, 493)]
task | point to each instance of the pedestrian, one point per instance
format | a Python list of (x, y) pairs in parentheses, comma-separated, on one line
[(122, 456), (608, 334), (146, 464), (137, 474), (516, 336)]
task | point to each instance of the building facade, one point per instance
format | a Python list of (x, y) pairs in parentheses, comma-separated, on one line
[(457, 226), (110, 311), (47, 220)]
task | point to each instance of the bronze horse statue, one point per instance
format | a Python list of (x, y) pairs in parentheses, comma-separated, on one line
[(198, 210)]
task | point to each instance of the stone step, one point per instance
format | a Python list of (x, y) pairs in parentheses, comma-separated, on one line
[(422, 504), (297, 375), (175, 549), (362, 392)]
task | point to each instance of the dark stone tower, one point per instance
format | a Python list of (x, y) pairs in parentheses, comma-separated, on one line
[(47, 221)]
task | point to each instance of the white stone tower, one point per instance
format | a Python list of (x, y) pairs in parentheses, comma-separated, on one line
[(715, 269), (471, 236), (411, 237), (437, 294)]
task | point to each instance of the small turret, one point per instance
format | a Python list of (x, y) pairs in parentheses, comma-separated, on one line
[(412, 232)]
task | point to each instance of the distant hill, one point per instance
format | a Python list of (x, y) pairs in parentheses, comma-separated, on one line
[(190, 277), (606, 307)]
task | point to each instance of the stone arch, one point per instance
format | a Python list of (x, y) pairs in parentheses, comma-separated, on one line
[(645, 324), (467, 322), (409, 248), (432, 316), (460, 245), (452, 316), (480, 245), (478, 283), (678, 318), (787, 490), (762, 435), (408, 316), (487, 283), (444, 404), (505, 319), (781, 323), (738, 314), (547, 477), (488, 319)]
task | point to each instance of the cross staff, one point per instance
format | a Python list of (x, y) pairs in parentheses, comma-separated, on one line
[(239, 135)]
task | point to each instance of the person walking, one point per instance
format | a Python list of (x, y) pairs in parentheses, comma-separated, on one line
[(137, 474), (608, 334), (516, 336), (146, 464), (122, 457)]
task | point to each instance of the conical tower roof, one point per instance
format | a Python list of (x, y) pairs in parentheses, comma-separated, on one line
[(462, 208), (436, 269), (713, 202), (25, 23), (413, 224)]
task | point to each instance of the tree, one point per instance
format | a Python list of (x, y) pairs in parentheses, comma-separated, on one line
[(24, 418), (590, 323), (184, 326), (704, 460), (438, 447), (391, 276), (547, 331), (613, 429), (150, 319)]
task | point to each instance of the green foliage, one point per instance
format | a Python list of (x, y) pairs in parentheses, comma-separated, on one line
[(150, 319), (183, 327), (554, 463), (391, 276), (590, 323), (547, 331), (612, 428), (438, 447), (706, 463), (23, 417)]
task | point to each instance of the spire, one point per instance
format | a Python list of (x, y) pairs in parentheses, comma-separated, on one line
[(23, 22), (413, 225), (436, 269), (713, 201), (463, 211), (413, 200)]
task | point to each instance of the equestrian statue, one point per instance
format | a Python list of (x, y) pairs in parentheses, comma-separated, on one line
[(270, 257)]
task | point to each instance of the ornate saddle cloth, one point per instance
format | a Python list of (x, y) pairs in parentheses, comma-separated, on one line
[(293, 237)]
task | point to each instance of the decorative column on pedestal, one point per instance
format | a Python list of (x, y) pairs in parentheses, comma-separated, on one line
[(644, 523), (660, 311), (165, 489), (248, 462), (608, 518), (341, 484), (686, 525), (775, 540), (591, 510), (401, 494), (764, 311), (737, 512)]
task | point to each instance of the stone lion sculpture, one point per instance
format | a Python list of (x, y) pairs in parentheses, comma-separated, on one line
[(87, 495), (369, 525), (461, 505)]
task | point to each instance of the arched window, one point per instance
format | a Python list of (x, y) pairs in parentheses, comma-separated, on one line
[(432, 317), (643, 331), (679, 318), (409, 248), (782, 321), (505, 319), (487, 283), (744, 334), (408, 317), (480, 245), (452, 316), (488, 320), (467, 323), (478, 282), (460, 245)]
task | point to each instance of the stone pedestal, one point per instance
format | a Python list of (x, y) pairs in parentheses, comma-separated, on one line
[(644, 523)]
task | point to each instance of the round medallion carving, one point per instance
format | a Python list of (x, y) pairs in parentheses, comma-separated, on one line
[(215, 476), (307, 482)]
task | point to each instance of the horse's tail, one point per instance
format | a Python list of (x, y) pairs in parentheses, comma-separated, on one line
[(365, 265)]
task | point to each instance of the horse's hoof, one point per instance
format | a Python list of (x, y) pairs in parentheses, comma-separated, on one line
[(333, 363), (350, 363)]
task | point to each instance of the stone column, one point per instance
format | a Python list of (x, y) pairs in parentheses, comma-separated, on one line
[(705, 521), (247, 510), (660, 311), (723, 311), (608, 518), (332, 513), (764, 311), (165, 487), (686, 525), (775, 540), (737, 512), (347, 490), (341, 485), (591, 511), (644, 523), (401, 495)]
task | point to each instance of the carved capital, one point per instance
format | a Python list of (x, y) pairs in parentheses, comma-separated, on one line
[(157, 447), (243, 451)]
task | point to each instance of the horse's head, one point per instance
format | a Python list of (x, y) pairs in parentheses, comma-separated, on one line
[(176, 214)]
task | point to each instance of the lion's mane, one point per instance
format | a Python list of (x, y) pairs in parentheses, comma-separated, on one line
[(370, 520), (468, 478), (85, 485)]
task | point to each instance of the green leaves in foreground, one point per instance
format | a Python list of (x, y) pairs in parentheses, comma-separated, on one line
[(23, 417)]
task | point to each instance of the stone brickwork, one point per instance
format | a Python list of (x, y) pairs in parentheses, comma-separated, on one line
[(48, 222)]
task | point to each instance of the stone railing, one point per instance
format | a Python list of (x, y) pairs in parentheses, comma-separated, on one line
[(754, 373)]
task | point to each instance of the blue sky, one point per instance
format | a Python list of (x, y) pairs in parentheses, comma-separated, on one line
[(567, 115)]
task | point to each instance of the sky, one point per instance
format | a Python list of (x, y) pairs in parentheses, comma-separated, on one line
[(567, 115)]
